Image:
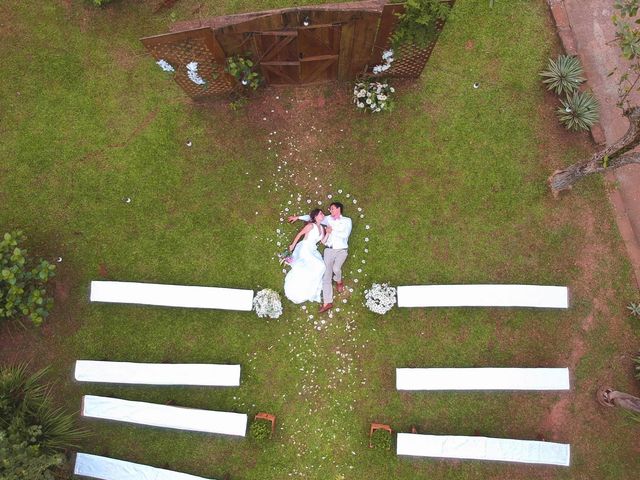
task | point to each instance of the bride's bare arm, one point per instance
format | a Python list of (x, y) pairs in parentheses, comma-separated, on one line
[(327, 232), (304, 231)]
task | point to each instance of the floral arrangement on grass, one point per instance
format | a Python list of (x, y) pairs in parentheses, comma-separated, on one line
[(267, 303), (380, 298), (373, 96)]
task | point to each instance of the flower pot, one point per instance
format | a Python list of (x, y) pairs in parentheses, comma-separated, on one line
[(378, 426)]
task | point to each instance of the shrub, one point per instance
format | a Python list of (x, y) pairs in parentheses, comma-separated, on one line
[(578, 111), (381, 439), (23, 281), (260, 429), (32, 431), (564, 76), (418, 24)]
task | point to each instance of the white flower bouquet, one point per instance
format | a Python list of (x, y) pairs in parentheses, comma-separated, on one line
[(165, 66), (387, 60), (373, 96), (192, 73), (267, 303), (380, 298)]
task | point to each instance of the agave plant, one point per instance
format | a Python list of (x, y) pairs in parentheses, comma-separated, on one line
[(579, 111), (634, 308), (564, 75)]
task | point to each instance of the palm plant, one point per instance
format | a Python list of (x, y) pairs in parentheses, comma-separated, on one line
[(25, 402), (579, 111), (564, 75)]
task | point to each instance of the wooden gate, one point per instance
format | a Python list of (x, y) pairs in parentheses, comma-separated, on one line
[(289, 46), (303, 55)]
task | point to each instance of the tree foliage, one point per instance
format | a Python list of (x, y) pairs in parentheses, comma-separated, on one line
[(23, 281), (418, 24)]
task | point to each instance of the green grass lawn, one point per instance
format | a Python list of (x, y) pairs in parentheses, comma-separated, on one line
[(451, 185)]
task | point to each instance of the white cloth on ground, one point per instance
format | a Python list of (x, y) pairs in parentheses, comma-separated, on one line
[(106, 468), (483, 448), (540, 296), (166, 416), (158, 373), (482, 378), (172, 295)]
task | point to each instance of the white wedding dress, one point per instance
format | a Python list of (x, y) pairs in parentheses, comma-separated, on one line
[(304, 281)]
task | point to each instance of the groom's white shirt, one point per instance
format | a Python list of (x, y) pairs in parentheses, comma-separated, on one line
[(340, 230)]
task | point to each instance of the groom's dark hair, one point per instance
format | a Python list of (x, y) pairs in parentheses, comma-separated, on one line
[(338, 205)]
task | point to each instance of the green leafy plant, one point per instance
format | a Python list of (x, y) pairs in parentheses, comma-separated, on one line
[(32, 431), (564, 75), (418, 24), (381, 439), (260, 429), (238, 104), (634, 308), (241, 68), (578, 111), (23, 281), (100, 3), (26, 397)]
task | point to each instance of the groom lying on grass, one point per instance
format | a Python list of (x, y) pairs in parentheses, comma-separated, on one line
[(336, 251)]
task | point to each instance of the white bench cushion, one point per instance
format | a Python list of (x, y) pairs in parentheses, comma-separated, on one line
[(538, 296), (180, 418), (111, 469), (158, 373), (482, 378), (483, 448), (172, 295)]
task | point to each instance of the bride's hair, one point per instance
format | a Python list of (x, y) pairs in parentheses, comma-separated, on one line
[(313, 214)]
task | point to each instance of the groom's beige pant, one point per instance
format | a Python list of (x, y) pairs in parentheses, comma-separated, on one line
[(333, 260)]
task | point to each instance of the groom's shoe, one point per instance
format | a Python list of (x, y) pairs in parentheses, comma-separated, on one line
[(325, 308), (340, 287)]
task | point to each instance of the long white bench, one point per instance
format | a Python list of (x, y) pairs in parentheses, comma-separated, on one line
[(537, 296), (482, 379), (106, 468), (172, 295), (166, 416), (483, 448), (158, 373)]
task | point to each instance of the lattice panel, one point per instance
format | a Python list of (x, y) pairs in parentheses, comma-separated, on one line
[(409, 61), (179, 54)]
